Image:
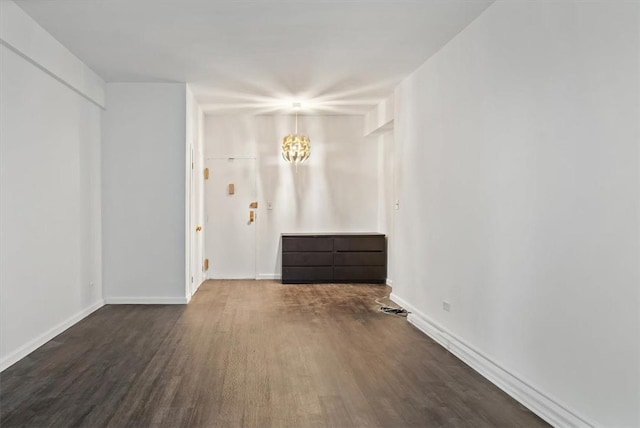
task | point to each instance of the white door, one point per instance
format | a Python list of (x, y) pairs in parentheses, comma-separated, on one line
[(230, 240), (197, 216)]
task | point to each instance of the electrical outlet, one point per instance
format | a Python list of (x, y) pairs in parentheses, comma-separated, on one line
[(269, 205), (446, 306), (397, 205)]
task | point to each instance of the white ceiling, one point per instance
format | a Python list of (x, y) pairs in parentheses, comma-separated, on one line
[(258, 56)]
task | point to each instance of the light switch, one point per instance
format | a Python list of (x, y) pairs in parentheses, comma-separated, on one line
[(269, 205)]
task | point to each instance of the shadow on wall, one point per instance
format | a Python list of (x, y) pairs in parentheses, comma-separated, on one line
[(278, 264), (333, 189), (300, 178)]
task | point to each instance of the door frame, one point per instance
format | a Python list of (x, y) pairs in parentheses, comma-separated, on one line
[(194, 269), (198, 220), (193, 174), (196, 258), (257, 216), (188, 238)]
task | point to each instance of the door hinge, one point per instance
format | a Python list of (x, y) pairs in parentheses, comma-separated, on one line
[(206, 264), (192, 280)]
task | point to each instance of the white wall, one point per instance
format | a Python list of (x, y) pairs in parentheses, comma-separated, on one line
[(380, 119), (517, 149), (50, 245), (143, 193), (334, 191), (386, 195), (379, 127)]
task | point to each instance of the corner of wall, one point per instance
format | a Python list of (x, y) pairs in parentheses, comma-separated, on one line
[(544, 406), (22, 34), (37, 342)]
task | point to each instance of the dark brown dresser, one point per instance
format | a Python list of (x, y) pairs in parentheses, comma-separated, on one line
[(318, 258)]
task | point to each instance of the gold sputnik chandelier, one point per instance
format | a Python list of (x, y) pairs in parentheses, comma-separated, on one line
[(296, 148)]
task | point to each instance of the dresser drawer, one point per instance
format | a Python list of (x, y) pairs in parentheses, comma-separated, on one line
[(360, 273), (310, 274), (359, 243), (307, 259), (360, 258), (306, 243)]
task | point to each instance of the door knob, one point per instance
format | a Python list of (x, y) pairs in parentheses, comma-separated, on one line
[(198, 228)]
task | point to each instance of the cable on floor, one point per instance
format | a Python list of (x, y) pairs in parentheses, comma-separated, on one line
[(390, 310)]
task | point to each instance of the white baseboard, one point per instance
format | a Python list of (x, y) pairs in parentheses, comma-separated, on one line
[(34, 344), (389, 282), (146, 300), (272, 276), (541, 404)]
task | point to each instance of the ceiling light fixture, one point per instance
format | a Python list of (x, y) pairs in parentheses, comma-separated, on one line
[(296, 148)]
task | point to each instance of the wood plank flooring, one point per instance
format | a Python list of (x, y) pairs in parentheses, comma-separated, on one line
[(255, 354)]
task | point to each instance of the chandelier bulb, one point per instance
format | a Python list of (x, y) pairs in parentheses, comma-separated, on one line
[(296, 148)]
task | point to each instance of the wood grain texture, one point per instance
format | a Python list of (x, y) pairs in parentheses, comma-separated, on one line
[(255, 354)]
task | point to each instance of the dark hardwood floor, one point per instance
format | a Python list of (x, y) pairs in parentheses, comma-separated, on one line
[(252, 353)]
